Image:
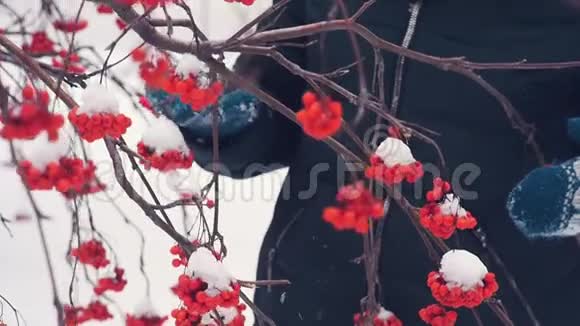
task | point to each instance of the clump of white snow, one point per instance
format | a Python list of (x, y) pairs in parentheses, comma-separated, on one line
[(451, 206), (190, 65), (41, 151), (145, 308), (164, 135), (183, 183), (97, 98), (384, 314), (203, 264), (394, 151), (227, 315), (460, 268)]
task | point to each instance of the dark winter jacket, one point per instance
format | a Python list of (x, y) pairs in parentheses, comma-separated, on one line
[(474, 134)]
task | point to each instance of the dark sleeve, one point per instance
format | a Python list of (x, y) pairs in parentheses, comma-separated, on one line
[(270, 141)]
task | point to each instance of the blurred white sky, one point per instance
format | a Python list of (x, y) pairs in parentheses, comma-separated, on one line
[(246, 206)]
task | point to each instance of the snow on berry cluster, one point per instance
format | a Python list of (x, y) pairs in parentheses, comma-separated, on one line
[(357, 207), (45, 166), (393, 162), (384, 317), (320, 118), (189, 79), (436, 315), (99, 115), (443, 214), (207, 289), (31, 117), (95, 310), (145, 315), (462, 280), (163, 147), (191, 83), (41, 44)]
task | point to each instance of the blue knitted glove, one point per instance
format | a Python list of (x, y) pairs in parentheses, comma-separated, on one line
[(237, 110), (546, 203)]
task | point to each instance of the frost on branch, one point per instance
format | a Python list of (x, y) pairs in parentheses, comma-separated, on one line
[(163, 147), (462, 280), (393, 162), (98, 116)]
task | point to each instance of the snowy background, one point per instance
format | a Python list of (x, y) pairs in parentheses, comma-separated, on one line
[(246, 206)]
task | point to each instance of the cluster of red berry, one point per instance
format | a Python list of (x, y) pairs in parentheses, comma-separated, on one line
[(161, 74), (69, 61), (439, 217), (95, 126), (93, 311), (191, 92), (154, 70), (91, 253), (116, 283), (41, 44), (436, 315), (31, 117), (70, 176), (382, 318), (456, 296), (244, 2), (104, 9), (357, 206), (183, 317), (146, 320), (394, 174), (198, 298), (320, 118), (70, 25), (166, 161), (181, 259)]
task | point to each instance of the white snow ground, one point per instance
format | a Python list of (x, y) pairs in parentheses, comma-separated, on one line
[(246, 206)]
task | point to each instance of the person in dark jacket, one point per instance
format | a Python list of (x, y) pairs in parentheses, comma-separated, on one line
[(480, 145)]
